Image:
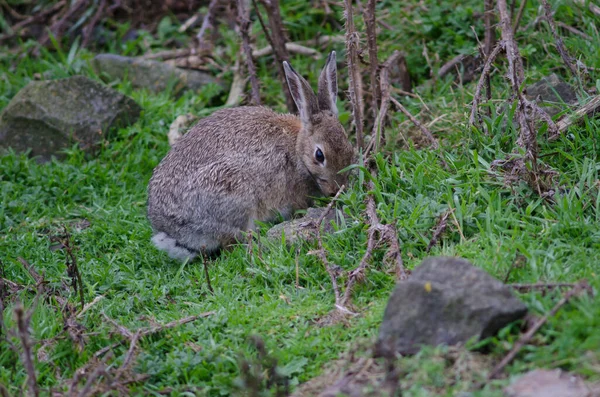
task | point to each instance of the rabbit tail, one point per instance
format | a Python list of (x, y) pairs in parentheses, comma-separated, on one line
[(175, 249)]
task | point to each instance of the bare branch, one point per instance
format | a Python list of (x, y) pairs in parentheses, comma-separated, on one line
[(333, 272), (378, 138), (519, 16), (540, 286), (244, 24), (369, 18), (526, 337), (89, 28), (433, 141), (440, 228), (294, 48), (566, 121), (560, 46), (487, 67), (354, 76), (574, 30), (207, 22), (278, 40), (591, 6), (489, 39), (23, 319), (237, 85)]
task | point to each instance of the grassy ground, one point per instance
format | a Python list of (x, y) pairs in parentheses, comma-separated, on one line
[(256, 294)]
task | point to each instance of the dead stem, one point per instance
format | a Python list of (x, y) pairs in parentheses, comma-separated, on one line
[(23, 320), (278, 40), (560, 46), (526, 337), (355, 89), (432, 140), (483, 80), (321, 253), (370, 18), (378, 138), (244, 25)]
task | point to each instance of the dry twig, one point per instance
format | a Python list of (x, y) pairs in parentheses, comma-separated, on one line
[(244, 25), (484, 80), (377, 234), (432, 140), (355, 79), (207, 22), (321, 253), (490, 33), (439, 229), (369, 18), (18, 27), (566, 121), (205, 261), (591, 6), (237, 85), (277, 41), (560, 46), (519, 16), (89, 28), (39, 280), (526, 337), (72, 268), (23, 320), (574, 30), (378, 138), (294, 48), (540, 286), (58, 28)]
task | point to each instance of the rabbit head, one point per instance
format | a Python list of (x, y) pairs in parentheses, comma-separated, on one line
[(322, 143)]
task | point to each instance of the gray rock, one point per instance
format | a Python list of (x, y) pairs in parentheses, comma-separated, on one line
[(301, 229), (445, 301), (153, 75), (546, 383), (551, 93), (47, 116)]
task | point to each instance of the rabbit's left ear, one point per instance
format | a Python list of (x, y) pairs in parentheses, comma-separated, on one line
[(303, 94), (328, 88)]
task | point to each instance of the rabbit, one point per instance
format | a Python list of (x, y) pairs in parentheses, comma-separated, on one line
[(247, 164)]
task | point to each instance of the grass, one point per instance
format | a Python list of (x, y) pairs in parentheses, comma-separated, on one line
[(256, 294)]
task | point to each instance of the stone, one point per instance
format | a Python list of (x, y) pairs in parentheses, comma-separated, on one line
[(48, 116), (153, 75), (550, 93), (300, 228), (551, 383), (445, 301)]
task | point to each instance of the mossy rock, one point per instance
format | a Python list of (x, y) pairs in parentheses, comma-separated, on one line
[(46, 117)]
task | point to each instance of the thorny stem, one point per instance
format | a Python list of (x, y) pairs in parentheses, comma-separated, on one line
[(354, 76)]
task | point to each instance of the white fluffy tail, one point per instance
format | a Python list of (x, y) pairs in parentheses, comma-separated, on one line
[(175, 250)]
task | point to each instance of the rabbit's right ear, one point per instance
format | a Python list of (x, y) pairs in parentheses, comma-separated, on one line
[(303, 94), (328, 88)]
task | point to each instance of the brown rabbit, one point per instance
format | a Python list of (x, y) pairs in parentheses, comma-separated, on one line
[(248, 164)]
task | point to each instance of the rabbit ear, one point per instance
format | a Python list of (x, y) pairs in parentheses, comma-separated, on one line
[(303, 95), (328, 85)]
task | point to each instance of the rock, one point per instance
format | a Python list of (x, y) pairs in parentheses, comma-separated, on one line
[(550, 93), (546, 383), (153, 75), (300, 229), (47, 116), (445, 301)]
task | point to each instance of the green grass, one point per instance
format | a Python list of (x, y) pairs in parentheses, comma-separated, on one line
[(256, 294)]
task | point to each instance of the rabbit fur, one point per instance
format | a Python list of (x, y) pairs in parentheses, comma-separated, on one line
[(247, 164)]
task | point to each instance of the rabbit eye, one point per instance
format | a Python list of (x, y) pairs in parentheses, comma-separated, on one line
[(319, 156)]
